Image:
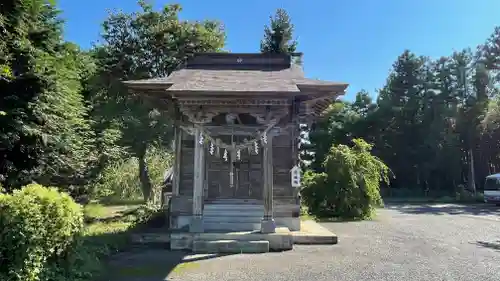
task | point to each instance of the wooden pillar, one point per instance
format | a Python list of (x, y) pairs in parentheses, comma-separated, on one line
[(268, 224), (177, 160), (198, 174)]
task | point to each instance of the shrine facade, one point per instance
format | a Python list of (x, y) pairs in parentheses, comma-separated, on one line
[(237, 119)]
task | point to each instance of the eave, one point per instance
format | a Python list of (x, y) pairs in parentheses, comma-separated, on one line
[(313, 99)]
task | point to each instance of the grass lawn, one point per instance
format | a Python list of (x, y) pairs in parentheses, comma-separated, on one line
[(107, 219), (105, 234), (108, 232), (99, 211)]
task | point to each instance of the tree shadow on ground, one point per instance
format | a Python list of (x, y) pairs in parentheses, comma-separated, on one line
[(336, 219), (491, 245), (123, 258), (148, 264), (446, 209)]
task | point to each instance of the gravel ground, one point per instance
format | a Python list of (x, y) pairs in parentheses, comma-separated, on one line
[(404, 242)]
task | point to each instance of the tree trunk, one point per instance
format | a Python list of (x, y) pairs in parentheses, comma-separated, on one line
[(146, 185), (472, 175)]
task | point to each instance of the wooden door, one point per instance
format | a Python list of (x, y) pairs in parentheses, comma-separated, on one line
[(218, 178), (249, 175), (218, 175)]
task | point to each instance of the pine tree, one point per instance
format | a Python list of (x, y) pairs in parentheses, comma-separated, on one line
[(45, 134), (278, 36)]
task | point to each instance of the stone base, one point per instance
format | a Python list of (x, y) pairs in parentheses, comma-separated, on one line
[(196, 224), (183, 222), (279, 241), (230, 246), (180, 222), (268, 226)]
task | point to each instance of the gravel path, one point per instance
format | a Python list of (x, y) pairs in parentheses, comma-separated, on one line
[(417, 242)]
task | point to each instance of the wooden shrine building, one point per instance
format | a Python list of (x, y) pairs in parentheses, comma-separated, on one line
[(236, 138)]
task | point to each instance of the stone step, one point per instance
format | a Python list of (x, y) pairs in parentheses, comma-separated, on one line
[(236, 201), (224, 218), (230, 246), (233, 217), (239, 213), (233, 207), (231, 226)]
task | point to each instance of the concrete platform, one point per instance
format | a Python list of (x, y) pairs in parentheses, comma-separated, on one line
[(241, 241), (230, 246), (312, 233), (279, 241)]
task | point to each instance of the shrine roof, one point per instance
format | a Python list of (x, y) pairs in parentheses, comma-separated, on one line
[(233, 73)]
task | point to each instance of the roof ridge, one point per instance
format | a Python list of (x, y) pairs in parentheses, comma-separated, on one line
[(239, 59)]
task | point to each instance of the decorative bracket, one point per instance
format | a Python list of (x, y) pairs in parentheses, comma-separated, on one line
[(270, 117), (188, 129), (197, 115)]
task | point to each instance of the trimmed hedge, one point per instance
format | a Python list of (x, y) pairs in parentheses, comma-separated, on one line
[(38, 227)]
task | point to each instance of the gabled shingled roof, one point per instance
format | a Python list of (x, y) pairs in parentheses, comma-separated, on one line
[(231, 72)]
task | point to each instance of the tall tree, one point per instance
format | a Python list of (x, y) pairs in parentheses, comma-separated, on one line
[(278, 36), (144, 44), (400, 108), (435, 122), (45, 134)]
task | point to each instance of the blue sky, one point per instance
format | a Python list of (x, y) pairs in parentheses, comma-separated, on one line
[(353, 41)]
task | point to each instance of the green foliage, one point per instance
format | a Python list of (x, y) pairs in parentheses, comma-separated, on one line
[(278, 37), (119, 179), (43, 238), (434, 123), (94, 211), (85, 260), (38, 227), (350, 185), (465, 196), (491, 131), (148, 214), (46, 133), (67, 134), (105, 236), (64, 114), (340, 123), (143, 44)]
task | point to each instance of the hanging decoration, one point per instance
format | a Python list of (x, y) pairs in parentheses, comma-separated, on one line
[(264, 138), (234, 146), (216, 144), (212, 148)]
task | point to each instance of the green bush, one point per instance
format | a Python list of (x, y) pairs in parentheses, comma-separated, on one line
[(465, 196), (38, 226), (349, 187), (120, 180), (150, 216)]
